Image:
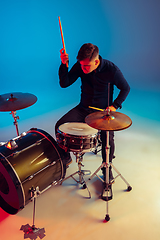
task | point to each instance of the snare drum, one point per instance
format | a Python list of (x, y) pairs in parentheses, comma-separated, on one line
[(77, 137), (31, 160)]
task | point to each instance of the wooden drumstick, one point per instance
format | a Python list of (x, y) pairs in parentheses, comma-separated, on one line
[(97, 108), (60, 25)]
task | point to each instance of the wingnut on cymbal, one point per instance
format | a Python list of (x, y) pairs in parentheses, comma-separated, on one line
[(114, 121)]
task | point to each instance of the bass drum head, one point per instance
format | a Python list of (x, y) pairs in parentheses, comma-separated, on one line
[(35, 161)]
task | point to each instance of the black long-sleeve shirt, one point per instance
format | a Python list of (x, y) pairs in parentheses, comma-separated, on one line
[(94, 86)]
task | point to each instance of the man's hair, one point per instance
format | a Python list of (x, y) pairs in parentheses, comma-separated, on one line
[(88, 50)]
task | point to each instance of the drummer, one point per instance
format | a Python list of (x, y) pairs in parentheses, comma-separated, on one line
[(95, 73)]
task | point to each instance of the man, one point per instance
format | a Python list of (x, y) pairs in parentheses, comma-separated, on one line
[(97, 74)]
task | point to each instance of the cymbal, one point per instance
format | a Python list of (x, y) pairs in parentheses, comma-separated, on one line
[(115, 121), (16, 101)]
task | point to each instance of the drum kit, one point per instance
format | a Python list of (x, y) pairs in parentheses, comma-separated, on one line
[(33, 161)]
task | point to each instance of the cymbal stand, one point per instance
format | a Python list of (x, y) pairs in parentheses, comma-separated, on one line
[(80, 172), (15, 121), (108, 184)]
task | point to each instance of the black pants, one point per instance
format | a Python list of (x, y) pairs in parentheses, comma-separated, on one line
[(78, 114)]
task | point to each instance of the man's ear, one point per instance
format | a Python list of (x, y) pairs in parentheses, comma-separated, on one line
[(97, 61)]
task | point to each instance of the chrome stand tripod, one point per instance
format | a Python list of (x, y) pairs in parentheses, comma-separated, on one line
[(80, 172), (108, 164), (108, 121), (107, 187)]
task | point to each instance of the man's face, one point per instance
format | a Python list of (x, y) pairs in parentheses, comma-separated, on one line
[(89, 66)]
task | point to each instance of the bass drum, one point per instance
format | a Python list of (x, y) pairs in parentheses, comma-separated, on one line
[(31, 161)]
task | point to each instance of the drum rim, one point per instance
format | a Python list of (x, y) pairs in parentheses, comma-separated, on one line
[(76, 136), (86, 135)]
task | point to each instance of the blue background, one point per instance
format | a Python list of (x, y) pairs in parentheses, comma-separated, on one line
[(126, 32)]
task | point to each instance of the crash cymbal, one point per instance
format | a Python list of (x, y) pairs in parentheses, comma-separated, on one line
[(16, 101), (113, 122)]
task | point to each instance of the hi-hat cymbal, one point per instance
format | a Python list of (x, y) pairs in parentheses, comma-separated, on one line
[(16, 101), (113, 122)]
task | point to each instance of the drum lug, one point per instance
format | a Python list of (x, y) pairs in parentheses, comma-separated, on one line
[(52, 163), (81, 144), (39, 141), (23, 134), (55, 183), (30, 177), (14, 153)]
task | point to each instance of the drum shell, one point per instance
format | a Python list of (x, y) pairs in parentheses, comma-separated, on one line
[(37, 161), (76, 143)]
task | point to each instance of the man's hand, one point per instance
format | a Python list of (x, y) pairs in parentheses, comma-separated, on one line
[(64, 56), (111, 108)]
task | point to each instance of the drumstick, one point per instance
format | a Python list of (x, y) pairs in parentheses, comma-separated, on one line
[(60, 25), (97, 108)]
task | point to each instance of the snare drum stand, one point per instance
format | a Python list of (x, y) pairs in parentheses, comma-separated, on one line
[(80, 172)]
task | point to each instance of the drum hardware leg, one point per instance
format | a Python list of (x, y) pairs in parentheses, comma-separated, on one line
[(129, 188), (108, 121), (31, 231), (15, 121), (107, 185), (51, 185), (80, 172)]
